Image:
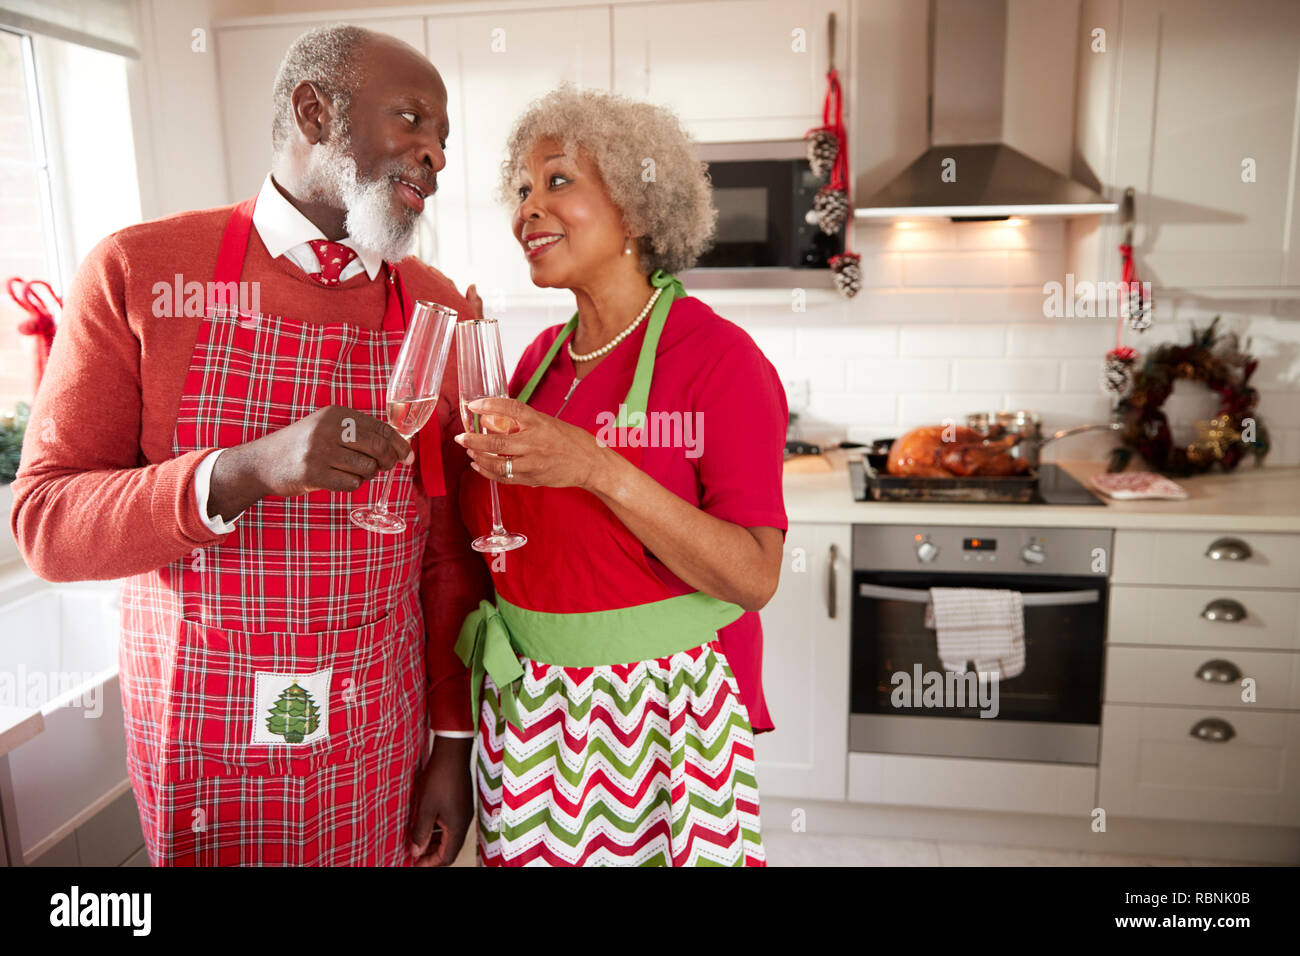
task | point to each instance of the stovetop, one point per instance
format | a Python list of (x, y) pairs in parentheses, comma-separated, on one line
[(1056, 486)]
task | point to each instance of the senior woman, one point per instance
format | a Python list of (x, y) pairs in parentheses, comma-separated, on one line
[(620, 665)]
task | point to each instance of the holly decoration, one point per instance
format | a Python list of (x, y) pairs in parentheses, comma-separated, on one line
[(1217, 362), (294, 715), (847, 271), (823, 150), (13, 426)]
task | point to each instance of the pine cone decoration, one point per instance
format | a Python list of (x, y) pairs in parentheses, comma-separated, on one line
[(847, 270), (1137, 310), (823, 148), (832, 208), (1117, 372)]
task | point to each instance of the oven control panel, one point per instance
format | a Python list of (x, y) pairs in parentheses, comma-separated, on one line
[(983, 550)]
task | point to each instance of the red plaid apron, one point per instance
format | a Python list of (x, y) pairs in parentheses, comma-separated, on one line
[(273, 682)]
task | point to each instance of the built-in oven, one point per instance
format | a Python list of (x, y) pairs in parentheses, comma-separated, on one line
[(904, 700), (764, 193)]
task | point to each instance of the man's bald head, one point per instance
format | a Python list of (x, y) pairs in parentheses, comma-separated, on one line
[(334, 59), (360, 134)]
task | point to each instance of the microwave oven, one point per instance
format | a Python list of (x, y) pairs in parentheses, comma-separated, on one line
[(766, 232)]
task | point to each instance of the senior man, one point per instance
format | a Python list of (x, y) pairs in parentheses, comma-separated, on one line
[(280, 666)]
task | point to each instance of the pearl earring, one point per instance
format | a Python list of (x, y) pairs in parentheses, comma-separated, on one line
[(627, 248)]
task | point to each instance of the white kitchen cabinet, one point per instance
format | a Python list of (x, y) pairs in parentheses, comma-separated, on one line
[(1192, 614), (494, 65), (1202, 677), (806, 667), (1205, 617), (1201, 88), (248, 58), (1207, 558), (959, 783), (731, 70), (1171, 763)]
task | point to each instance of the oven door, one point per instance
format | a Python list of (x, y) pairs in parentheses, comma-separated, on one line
[(1051, 711)]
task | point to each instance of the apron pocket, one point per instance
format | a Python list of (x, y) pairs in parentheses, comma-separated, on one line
[(282, 704)]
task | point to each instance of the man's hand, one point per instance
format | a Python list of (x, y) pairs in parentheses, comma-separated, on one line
[(442, 803), (333, 448)]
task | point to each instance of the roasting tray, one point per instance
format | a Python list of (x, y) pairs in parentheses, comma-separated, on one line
[(880, 486)]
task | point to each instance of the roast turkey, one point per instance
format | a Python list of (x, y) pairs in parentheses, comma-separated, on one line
[(924, 452)]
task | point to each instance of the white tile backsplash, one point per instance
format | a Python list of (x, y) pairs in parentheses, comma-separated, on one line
[(899, 375), (1024, 374), (871, 341), (947, 269), (951, 321), (949, 341)]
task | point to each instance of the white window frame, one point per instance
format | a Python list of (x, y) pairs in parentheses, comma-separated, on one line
[(40, 162)]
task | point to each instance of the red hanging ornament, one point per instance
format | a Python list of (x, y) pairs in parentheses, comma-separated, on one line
[(828, 152), (40, 318)]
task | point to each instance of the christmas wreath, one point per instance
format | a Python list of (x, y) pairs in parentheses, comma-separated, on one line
[(1217, 362)]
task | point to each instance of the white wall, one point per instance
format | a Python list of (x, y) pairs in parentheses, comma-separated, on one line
[(950, 321), (177, 107)]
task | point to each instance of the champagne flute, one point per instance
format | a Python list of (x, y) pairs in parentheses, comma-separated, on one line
[(482, 373), (413, 390)]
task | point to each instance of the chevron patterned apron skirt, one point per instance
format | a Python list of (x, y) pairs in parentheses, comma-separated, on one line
[(610, 726)]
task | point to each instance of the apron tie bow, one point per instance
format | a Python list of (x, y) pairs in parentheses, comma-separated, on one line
[(484, 646)]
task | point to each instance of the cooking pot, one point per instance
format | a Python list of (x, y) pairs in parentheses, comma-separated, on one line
[(1027, 425)]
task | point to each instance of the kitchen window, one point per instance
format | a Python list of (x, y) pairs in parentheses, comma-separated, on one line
[(67, 172)]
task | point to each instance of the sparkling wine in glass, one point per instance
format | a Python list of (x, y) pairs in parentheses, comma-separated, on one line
[(482, 373), (413, 390)]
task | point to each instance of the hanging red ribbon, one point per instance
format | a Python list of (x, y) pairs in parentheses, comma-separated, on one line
[(40, 318), (833, 120)]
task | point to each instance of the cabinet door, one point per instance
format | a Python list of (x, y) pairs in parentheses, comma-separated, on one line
[(806, 667), (494, 65), (247, 60), (1161, 763), (731, 70), (1206, 86)]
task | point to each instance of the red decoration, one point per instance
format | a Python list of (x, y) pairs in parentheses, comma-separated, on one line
[(40, 317), (832, 201)]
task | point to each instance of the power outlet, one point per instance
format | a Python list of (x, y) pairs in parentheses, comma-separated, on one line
[(796, 394)]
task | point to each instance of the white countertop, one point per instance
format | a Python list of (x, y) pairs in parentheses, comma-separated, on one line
[(1248, 499)]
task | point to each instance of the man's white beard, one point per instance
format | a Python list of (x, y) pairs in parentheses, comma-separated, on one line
[(332, 178)]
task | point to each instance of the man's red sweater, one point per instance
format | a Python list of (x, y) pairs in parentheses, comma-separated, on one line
[(98, 493)]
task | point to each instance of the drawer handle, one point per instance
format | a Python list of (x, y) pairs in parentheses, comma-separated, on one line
[(1224, 609), (1213, 730), (832, 556), (1228, 549), (1219, 671)]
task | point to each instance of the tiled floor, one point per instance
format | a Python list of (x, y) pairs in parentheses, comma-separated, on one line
[(803, 849)]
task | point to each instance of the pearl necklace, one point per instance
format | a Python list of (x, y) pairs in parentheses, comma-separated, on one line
[(618, 338)]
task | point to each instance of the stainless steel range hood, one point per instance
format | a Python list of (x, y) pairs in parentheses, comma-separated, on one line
[(969, 172)]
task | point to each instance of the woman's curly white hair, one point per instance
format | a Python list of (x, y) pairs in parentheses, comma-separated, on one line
[(669, 200)]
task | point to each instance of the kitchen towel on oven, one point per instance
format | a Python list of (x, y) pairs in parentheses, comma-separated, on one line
[(983, 625)]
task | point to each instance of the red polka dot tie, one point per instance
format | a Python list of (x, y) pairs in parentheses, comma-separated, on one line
[(333, 256)]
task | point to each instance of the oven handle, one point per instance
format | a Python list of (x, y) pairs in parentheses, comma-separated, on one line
[(922, 596)]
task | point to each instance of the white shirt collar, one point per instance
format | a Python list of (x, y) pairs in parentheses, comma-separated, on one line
[(282, 227)]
